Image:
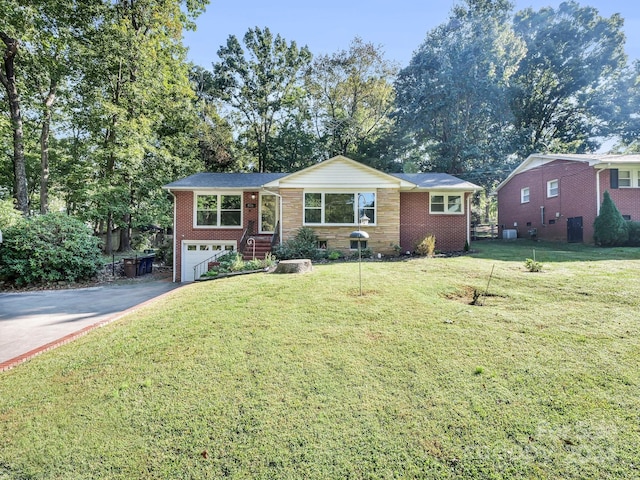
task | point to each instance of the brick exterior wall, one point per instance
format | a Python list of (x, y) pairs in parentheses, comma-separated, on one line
[(416, 223), (402, 219), (184, 229), (382, 236), (626, 199), (577, 197)]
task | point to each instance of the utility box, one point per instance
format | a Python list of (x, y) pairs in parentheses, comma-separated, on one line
[(509, 234)]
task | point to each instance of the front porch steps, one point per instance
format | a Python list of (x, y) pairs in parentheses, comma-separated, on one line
[(262, 248)]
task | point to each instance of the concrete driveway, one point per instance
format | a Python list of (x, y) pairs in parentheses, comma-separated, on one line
[(32, 322)]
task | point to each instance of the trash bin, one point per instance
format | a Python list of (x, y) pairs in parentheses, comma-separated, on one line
[(130, 267), (145, 264)]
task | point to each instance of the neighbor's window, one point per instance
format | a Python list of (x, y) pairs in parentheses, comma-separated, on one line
[(444, 203), (338, 208), (552, 188), (524, 195), (219, 210), (624, 178)]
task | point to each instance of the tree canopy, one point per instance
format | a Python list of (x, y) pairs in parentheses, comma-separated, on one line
[(100, 106)]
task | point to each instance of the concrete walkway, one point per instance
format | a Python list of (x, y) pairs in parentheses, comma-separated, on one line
[(33, 322)]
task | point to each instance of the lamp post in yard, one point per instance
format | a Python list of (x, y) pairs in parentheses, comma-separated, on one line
[(360, 236)]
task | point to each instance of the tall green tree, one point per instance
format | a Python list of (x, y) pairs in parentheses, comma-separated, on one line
[(561, 93), (136, 105), (260, 86), (15, 28), (216, 144), (452, 96), (626, 107), (353, 96)]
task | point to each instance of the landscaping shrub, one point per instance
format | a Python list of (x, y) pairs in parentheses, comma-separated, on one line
[(49, 248), (633, 230), (610, 229), (9, 216), (334, 254), (233, 262), (303, 245), (427, 246)]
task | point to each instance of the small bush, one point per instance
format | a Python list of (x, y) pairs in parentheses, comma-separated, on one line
[(364, 252), (49, 248), (427, 246), (633, 230), (334, 255), (303, 245), (532, 265)]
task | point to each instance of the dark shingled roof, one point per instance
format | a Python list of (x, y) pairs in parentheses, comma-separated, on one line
[(225, 180), (257, 180)]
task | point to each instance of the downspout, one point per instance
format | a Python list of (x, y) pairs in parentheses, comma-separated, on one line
[(175, 237), (468, 219), (280, 208), (598, 190)]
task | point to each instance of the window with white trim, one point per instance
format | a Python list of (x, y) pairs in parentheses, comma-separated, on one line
[(218, 210), (339, 208), (524, 195), (624, 178), (552, 188), (443, 203)]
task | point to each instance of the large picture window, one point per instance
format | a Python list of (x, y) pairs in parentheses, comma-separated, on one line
[(338, 208), (219, 210), (446, 203)]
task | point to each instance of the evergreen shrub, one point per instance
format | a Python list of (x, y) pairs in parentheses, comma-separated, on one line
[(610, 228)]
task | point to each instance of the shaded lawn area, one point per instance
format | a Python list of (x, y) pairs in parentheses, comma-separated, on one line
[(287, 376)]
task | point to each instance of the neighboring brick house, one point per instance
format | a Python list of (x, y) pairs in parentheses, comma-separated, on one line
[(558, 197), (214, 212)]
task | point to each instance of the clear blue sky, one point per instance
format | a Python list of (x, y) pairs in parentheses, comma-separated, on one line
[(328, 26)]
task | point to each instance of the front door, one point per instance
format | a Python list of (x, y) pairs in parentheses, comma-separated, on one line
[(574, 230), (268, 213)]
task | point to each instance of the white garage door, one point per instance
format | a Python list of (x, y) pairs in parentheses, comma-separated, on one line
[(194, 253)]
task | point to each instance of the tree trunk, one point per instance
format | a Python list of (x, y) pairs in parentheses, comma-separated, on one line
[(8, 79), (44, 147), (125, 233)]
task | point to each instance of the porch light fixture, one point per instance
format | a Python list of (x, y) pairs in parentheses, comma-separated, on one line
[(360, 236)]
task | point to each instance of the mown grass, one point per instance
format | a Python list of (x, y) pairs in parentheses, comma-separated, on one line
[(286, 376)]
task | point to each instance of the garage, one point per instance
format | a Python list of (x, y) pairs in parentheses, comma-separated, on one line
[(196, 252)]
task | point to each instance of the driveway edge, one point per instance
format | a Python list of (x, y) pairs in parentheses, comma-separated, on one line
[(13, 362)]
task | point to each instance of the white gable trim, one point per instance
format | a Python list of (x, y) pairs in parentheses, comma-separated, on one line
[(340, 172)]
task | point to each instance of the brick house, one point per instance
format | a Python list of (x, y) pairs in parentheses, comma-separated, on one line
[(558, 197), (249, 212)]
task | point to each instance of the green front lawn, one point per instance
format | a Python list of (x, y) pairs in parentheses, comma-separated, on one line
[(289, 376)]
